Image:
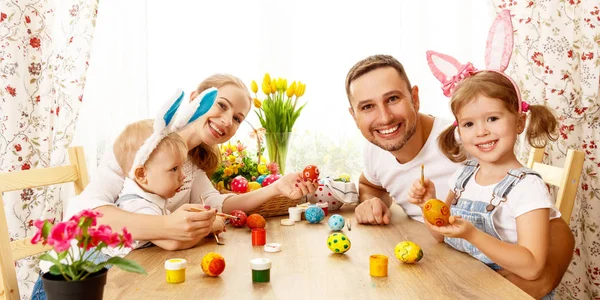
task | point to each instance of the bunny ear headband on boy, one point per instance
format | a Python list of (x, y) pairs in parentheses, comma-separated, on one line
[(497, 55), (171, 117)]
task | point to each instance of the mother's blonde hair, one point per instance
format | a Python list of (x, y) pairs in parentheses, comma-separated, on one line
[(204, 156)]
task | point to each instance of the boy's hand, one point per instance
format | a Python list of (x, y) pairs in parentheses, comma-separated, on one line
[(420, 193), (458, 228), (187, 225), (218, 225)]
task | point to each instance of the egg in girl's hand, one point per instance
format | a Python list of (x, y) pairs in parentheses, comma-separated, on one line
[(338, 242), (408, 252), (311, 173), (213, 264), (436, 212)]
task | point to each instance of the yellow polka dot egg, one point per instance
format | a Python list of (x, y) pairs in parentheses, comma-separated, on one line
[(408, 252), (338, 242)]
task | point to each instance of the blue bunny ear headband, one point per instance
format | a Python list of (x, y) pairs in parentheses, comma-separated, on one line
[(171, 117)]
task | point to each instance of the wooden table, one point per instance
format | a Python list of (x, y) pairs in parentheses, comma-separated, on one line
[(306, 268)]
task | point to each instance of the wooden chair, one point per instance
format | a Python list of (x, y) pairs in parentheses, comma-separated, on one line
[(76, 172), (565, 178)]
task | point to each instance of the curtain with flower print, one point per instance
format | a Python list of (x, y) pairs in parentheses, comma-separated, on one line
[(44, 49), (556, 62)]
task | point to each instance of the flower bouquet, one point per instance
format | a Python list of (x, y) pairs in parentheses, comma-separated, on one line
[(278, 113)]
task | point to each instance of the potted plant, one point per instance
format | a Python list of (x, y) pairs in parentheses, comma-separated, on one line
[(74, 271)]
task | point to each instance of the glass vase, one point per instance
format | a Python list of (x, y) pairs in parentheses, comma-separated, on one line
[(277, 147)]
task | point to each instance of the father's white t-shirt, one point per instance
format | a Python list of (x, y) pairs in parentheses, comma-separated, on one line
[(381, 168)]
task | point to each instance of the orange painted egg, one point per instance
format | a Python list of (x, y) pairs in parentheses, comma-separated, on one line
[(213, 264), (436, 212), (256, 221)]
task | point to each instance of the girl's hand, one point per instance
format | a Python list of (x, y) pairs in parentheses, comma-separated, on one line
[(420, 193), (293, 186), (218, 225), (458, 228)]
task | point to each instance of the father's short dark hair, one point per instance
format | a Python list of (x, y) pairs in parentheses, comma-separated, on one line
[(371, 63)]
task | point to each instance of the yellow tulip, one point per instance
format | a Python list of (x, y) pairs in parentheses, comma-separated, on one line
[(291, 90), (279, 84), (300, 89), (273, 87), (254, 87), (284, 85), (267, 79), (257, 103), (266, 88)]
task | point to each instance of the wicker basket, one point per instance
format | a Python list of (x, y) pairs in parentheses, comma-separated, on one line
[(277, 206)]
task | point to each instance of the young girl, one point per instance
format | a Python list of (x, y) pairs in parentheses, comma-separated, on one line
[(500, 211)]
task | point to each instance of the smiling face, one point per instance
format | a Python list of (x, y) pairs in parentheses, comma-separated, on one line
[(222, 121), (384, 108), (488, 130)]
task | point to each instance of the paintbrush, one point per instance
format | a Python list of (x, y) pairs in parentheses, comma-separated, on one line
[(218, 214), (422, 175)]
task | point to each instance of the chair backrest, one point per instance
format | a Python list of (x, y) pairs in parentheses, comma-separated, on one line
[(565, 178), (76, 172)]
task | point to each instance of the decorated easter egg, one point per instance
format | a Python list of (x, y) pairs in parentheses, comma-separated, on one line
[(256, 221), (338, 242), (314, 214), (261, 178), (240, 221), (436, 212), (270, 179), (253, 186), (213, 264), (311, 173), (408, 252), (336, 222), (239, 184)]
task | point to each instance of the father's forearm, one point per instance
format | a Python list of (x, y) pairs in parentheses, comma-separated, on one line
[(141, 226), (367, 191)]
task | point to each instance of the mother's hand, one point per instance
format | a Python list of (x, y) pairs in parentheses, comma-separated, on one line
[(293, 186), (185, 225)]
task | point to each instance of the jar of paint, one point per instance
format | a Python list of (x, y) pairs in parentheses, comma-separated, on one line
[(259, 237), (261, 269), (378, 265), (295, 214), (175, 270)]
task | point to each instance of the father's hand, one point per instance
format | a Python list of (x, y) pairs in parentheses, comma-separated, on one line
[(373, 211), (185, 225)]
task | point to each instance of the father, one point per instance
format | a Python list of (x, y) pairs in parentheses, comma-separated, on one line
[(385, 108)]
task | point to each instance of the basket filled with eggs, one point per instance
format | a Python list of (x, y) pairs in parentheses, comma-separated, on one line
[(241, 173)]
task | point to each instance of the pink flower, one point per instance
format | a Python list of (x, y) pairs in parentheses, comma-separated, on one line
[(104, 234), (92, 214), (240, 147), (38, 236), (126, 238), (61, 235)]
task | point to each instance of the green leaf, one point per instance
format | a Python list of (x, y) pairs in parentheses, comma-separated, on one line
[(126, 265), (54, 270), (62, 255), (48, 257), (46, 229), (91, 267)]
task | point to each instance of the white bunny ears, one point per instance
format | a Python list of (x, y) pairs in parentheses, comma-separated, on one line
[(498, 51), (171, 117)]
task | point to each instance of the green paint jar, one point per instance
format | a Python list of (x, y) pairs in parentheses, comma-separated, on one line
[(261, 269)]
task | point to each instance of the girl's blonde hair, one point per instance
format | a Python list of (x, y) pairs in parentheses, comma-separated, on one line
[(132, 138), (204, 156), (542, 122)]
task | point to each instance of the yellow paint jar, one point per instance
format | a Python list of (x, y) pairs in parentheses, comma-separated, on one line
[(175, 269), (378, 265)]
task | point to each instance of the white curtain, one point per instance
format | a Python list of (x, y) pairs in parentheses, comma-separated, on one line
[(143, 50)]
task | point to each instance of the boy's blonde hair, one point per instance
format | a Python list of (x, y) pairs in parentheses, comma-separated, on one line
[(204, 156), (542, 122), (132, 138)]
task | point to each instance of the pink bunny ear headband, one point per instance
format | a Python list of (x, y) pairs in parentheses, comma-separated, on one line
[(498, 50)]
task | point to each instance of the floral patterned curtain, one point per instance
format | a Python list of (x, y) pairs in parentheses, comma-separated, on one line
[(44, 52), (556, 61)]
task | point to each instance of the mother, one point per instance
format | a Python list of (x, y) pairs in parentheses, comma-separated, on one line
[(183, 226)]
